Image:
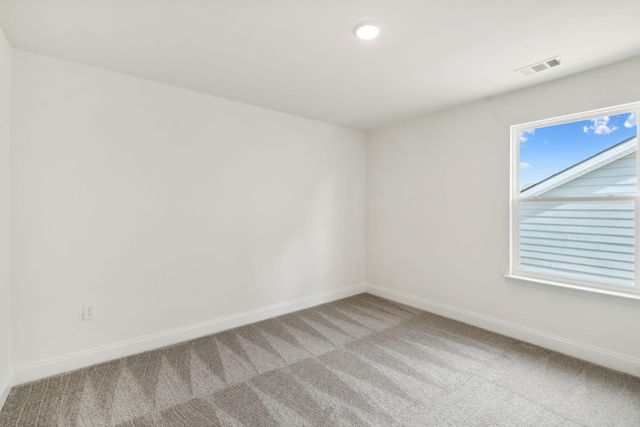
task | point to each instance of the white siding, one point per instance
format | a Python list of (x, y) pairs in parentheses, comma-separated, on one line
[(617, 177), (591, 241)]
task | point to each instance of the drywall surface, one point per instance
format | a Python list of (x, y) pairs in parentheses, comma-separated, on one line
[(167, 208), (5, 215), (438, 211)]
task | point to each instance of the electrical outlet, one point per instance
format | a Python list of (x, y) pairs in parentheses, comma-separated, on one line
[(89, 312)]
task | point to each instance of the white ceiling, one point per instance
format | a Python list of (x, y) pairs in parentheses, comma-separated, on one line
[(300, 56)]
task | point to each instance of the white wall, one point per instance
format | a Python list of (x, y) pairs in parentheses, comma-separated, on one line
[(5, 248), (166, 208), (438, 212)]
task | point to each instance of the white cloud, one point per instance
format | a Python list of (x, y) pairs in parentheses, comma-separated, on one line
[(600, 126), (524, 135), (524, 165), (632, 120)]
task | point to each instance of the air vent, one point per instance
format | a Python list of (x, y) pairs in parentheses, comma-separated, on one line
[(539, 66), (553, 62)]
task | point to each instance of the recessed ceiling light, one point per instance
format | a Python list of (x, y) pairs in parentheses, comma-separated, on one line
[(367, 30)]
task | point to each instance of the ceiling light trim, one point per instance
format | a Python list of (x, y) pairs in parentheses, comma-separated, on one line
[(367, 30)]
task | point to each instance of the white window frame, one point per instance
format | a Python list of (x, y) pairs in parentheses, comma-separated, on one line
[(557, 282)]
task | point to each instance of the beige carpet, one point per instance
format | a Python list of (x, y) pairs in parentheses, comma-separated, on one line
[(360, 361)]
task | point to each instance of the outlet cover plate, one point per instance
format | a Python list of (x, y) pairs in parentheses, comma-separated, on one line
[(89, 312)]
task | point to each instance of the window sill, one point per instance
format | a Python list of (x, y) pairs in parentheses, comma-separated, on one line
[(583, 291)]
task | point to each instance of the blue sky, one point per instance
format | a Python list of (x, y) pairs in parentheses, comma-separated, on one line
[(547, 150)]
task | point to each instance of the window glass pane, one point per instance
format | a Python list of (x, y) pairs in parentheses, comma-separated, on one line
[(587, 241), (595, 157)]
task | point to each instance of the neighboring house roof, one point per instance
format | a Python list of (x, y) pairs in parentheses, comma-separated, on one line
[(594, 162)]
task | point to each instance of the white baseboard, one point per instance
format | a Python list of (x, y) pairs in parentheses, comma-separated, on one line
[(5, 389), (595, 355), (70, 362)]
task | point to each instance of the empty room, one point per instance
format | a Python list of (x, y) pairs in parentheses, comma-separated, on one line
[(319, 213)]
